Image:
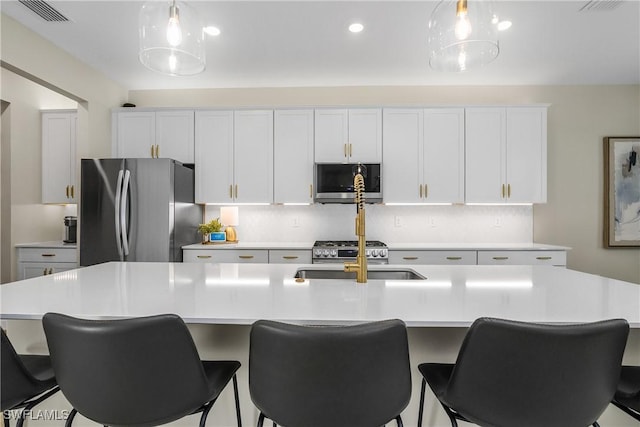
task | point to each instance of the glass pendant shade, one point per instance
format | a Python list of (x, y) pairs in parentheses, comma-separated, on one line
[(171, 38), (462, 35)]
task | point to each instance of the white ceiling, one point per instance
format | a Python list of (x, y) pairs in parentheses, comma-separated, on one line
[(306, 43)]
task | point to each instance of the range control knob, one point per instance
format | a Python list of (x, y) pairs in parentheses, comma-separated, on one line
[(368, 253), (334, 253), (383, 253)]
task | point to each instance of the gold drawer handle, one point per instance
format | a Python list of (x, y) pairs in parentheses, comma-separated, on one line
[(289, 257), (72, 192), (454, 258), (500, 258), (204, 256), (410, 258), (245, 256), (48, 255), (67, 191), (543, 258)]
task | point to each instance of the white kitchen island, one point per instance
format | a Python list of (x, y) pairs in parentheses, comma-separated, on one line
[(221, 301)]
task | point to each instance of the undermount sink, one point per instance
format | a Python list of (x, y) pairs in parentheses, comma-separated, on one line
[(395, 274)]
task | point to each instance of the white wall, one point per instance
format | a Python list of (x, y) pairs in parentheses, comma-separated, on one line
[(31, 58), (579, 117), (431, 224)]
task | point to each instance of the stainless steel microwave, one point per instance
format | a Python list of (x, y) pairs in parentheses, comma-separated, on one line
[(334, 182)]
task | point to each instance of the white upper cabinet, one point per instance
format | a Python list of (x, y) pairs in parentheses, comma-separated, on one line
[(527, 154), (506, 155), (443, 155), (234, 156), (175, 135), (253, 156), (348, 136), (214, 156), (293, 156), (423, 155), (402, 168), (59, 130), (155, 134)]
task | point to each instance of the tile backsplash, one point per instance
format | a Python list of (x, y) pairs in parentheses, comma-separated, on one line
[(397, 224)]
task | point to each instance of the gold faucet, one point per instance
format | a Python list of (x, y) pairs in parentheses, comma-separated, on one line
[(360, 266)]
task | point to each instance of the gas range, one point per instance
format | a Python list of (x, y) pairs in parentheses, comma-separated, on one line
[(339, 251)]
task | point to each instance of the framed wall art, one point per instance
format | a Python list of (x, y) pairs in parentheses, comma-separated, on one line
[(622, 192)]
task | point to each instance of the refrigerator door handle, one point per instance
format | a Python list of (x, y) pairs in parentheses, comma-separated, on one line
[(118, 199), (123, 212)]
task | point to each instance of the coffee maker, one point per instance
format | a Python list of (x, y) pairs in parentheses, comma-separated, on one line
[(70, 229)]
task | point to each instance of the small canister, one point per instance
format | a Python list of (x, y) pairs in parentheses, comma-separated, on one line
[(70, 229)]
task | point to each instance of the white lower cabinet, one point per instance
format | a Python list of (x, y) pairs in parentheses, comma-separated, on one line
[(35, 262), (558, 258), (260, 256), (431, 257), (280, 256)]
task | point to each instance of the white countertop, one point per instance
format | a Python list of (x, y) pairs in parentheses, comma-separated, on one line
[(55, 244), (452, 296), (392, 246)]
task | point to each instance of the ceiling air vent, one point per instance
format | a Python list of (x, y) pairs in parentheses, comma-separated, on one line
[(600, 5), (44, 10)]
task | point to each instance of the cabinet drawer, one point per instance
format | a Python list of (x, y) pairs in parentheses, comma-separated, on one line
[(48, 255), (433, 257), (522, 258), (279, 256), (226, 256)]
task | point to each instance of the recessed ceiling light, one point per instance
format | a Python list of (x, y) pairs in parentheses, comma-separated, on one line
[(356, 27), (212, 31), (504, 25)]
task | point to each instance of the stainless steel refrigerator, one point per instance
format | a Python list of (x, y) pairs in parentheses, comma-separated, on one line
[(136, 210)]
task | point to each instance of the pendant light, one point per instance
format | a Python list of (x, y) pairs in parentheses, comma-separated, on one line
[(171, 38), (463, 34)]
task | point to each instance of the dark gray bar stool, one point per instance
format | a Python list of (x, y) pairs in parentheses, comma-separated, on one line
[(627, 397), (134, 372), (530, 375), (26, 380), (330, 376)]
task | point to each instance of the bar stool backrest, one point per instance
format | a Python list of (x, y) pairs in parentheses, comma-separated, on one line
[(139, 371), (339, 376), (551, 375)]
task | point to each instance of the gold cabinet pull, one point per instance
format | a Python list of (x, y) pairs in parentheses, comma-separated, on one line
[(72, 191), (231, 191), (152, 151), (500, 258), (67, 191), (310, 191), (543, 258), (44, 272), (350, 150), (157, 151), (426, 191), (245, 256), (289, 257), (410, 258), (503, 191), (345, 150), (454, 258), (236, 191), (203, 256), (51, 271), (48, 255), (508, 190), (421, 191)]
